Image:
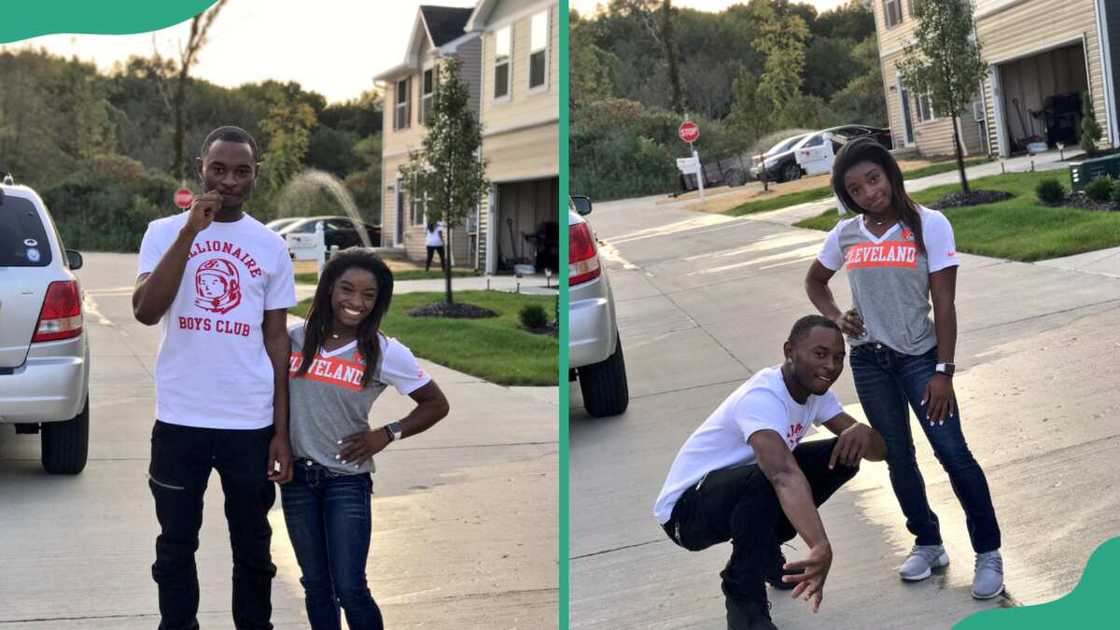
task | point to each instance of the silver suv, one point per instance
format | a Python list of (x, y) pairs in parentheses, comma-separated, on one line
[(44, 354), (594, 346)]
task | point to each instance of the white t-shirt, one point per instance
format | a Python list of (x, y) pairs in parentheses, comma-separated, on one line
[(433, 238), (212, 369), (763, 402)]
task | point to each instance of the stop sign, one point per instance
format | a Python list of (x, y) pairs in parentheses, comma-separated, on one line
[(184, 198), (688, 131)]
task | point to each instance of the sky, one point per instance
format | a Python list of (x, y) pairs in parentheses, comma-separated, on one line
[(587, 7), (333, 47)]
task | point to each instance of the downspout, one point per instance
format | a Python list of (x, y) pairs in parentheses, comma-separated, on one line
[(1106, 73)]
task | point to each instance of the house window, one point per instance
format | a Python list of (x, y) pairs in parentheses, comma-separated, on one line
[(503, 42), (538, 50), (403, 112), (925, 108), (418, 208), (892, 12), (427, 92)]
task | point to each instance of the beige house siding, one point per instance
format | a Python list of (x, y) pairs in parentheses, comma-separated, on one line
[(526, 154), (1014, 32), (893, 39), (1008, 30), (522, 106)]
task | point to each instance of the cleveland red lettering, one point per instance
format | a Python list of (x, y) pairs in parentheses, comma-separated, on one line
[(890, 254), (331, 370), (223, 247)]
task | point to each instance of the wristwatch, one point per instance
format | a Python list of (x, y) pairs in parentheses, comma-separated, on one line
[(945, 368), (395, 431)]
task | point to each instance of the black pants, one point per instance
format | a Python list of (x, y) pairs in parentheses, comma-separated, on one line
[(432, 249), (739, 504), (182, 458)]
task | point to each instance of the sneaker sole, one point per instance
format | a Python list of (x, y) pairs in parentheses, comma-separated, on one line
[(942, 561), (992, 596)]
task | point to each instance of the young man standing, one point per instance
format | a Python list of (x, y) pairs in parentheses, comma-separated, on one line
[(743, 475), (220, 284)]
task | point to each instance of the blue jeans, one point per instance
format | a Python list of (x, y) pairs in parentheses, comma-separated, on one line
[(886, 382), (328, 520)]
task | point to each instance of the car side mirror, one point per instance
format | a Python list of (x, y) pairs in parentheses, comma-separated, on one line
[(74, 259), (582, 204)]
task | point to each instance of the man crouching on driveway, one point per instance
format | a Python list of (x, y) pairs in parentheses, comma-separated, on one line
[(742, 476)]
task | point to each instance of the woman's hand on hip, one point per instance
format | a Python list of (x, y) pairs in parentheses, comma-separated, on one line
[(362, 445), (851, 323), (939, 400)]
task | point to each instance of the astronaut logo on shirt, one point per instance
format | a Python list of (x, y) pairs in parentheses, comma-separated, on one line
[(793, 435), (217, 286)]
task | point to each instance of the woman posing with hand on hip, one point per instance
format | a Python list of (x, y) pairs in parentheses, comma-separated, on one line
[(899, 255), (340, 364)]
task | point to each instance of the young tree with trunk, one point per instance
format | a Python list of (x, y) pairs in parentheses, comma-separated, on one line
[(446, 173), (944, 62)]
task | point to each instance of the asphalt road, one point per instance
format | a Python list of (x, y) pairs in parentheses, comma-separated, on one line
[(464, 516), (704, 301)]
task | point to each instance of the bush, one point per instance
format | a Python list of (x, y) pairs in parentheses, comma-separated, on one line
[(1100, 190), (1050, 192), (533, 317), (1090, 129), (1116, 193), (105, 204)]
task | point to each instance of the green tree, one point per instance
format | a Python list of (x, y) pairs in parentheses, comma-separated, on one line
[(288, 127), (447, 172), (591, 68), (944, 62), (751, 113), (782, 41)]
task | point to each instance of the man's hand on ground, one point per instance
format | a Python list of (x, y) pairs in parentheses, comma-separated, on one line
[(851, 446), (810, 584), (279, 452)]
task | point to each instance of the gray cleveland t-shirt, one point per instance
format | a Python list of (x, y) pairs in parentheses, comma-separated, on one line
[(329, 403), (889, 277)]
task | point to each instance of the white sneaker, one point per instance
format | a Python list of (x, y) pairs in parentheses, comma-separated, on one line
[(921, 562), (988, 582)]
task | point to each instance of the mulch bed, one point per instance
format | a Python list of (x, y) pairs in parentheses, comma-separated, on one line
[(453, 311), (1080, 200), (973, 198), (551, 329)]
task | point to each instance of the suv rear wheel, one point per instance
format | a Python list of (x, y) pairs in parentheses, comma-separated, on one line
[(603, 385), (65, 445)]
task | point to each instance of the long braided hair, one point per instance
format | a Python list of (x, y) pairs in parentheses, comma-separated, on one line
[(320, 316), (865, 149)]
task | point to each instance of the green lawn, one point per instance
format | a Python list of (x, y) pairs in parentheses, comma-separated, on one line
[(1019, 228), (823, 192), (410, 274), (496, 349)]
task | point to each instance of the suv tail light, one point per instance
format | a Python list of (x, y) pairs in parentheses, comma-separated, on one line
[(61, 317), (583, 259)]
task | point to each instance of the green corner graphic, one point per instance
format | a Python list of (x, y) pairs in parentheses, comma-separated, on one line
[(120, 17), (1088, 607)]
